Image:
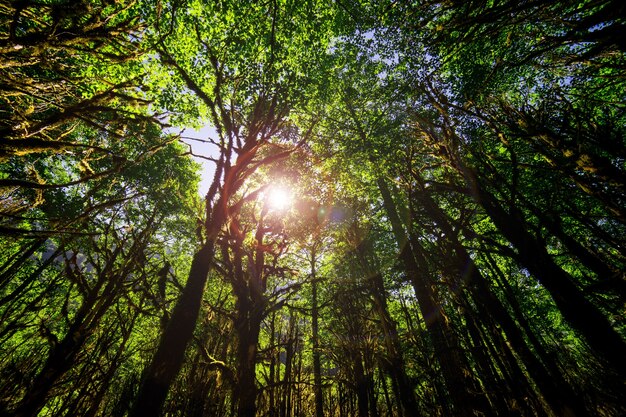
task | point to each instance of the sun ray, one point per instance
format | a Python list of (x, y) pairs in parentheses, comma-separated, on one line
[(279, 198)]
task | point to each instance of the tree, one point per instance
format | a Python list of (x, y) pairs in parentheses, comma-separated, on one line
[(253, 84), (454, 244)]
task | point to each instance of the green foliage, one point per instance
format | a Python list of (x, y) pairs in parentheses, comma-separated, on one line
[(456, 241)]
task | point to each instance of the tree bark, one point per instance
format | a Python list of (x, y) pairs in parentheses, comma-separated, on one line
[(248, 326), (171, 351), (317, 367), (445, 343), (549, 380), (393, 362), (579, 312)]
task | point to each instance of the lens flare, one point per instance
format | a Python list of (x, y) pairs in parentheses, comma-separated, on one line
[(279, 198)]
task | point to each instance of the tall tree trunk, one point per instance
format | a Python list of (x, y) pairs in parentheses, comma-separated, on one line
[(371, 393), (171, 351), (579, 312), (383, 381), (317, 367), (58, 363), (582, 315), (248, 326), (361, 385), (447, 348), (549, 379), (393, 362), (498, 391), (12, 265), (272, 371), (63, 355), (285, 405), (556, 390), (110, 373)]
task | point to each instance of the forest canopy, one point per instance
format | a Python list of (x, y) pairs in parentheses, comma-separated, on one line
[(408, 208)]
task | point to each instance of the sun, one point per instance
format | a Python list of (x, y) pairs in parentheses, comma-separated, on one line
[(279, 198)]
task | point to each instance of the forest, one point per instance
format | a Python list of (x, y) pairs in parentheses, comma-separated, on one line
[(312, 208)]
